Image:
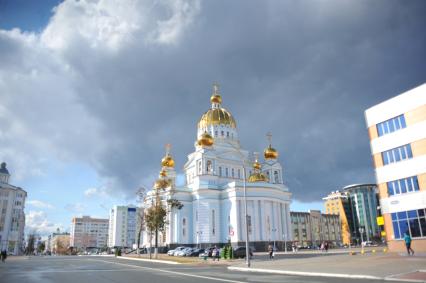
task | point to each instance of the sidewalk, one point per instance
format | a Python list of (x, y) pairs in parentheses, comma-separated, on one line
[(380, 266)]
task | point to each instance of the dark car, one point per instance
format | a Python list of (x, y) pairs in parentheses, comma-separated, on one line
[(240, 252), (196, 252)]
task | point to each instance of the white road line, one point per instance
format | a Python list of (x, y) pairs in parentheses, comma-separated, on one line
[(70, 270), (172, 272)]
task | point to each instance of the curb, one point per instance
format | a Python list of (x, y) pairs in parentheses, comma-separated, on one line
[(320, 274), (149, 260)]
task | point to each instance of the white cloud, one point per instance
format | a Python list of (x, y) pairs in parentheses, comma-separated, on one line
[(75, 207), (40, 204), (96, 192), (36, 221)]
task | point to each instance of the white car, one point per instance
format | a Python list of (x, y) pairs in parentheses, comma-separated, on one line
[(172, 252), (183, 252)]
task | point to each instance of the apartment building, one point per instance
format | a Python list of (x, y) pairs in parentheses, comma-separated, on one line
[(87, 232), (397, 131), (12, 215), (124, 224), (313, 227)]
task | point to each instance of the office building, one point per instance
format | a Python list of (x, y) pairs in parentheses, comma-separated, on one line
[(397, 131), (124, 225)]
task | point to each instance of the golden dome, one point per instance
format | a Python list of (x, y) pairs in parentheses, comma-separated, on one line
[(163, 173), (258, 177), (217, 116), (270, 153), (168, 161), (216, 98), (161, 184), (256, 165), (205, 140)]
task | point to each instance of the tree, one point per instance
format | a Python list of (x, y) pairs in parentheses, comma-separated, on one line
[(41, 247), (141, 216), (31, 243)]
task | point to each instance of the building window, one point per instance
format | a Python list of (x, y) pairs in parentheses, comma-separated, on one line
[(412, 222), (403, 186), (249, 223), (220, 171), (239, 174), (209, 166), (227, 134), (200, 168), (226, 172), (397, 154), (222, 133), (391, 125), (215, 133), (232, 172), (276, 177)]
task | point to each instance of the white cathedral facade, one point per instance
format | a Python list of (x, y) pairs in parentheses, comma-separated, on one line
[(213, 200)]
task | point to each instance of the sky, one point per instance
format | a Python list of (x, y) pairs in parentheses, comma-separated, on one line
[(91, 91)]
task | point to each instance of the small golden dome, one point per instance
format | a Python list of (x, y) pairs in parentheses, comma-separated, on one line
[(217, 116), (205, 140), (163, 173), (216, 98), (256, 165), (258, 177), (168, 161), (161, 184), (270, 153)]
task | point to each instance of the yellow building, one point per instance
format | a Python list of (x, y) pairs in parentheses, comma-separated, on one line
[(337, 203)]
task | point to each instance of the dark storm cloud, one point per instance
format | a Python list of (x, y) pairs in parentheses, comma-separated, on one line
[(304, 70)]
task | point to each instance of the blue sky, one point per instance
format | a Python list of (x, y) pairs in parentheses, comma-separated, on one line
[(91, 91)]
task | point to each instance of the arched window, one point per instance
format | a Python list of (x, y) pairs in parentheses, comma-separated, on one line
[(276, 177), (200, 168), (220, 171), (226, 172), (222, 133), (227, 134), (232, 172), (215, 133), (209, 166)]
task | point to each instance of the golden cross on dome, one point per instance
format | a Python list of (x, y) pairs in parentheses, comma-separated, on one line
[(269, 135), (215, 88), (168, 146), (256, 156)]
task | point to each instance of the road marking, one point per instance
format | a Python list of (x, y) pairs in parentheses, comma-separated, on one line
[(172, 272), (70, 270)]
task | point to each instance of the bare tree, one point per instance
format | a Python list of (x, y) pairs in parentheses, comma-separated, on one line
[(141, 216)]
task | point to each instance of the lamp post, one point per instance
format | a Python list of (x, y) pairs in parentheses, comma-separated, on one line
[(285, 242)]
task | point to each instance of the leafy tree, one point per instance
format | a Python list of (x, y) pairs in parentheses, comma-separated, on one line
[(41, 247)]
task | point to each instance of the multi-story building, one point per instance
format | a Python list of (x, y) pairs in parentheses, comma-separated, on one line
[(357, 207), (12, 216), (397, 131), (313, 227), (124, 224), (87, 232), (58, 243), (338, 203)]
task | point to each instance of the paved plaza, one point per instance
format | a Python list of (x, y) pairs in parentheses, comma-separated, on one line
[(64, 269)]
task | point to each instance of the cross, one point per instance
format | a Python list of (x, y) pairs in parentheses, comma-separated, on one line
[(269, 135), (256, 156), (168, 146), (215, 88)]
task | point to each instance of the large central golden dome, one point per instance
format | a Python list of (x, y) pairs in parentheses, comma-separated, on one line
[(217, 116)]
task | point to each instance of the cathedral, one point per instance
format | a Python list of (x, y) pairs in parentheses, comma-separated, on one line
[(224, 182)]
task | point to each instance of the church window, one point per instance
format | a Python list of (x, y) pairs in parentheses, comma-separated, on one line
[(239, 174), (209, 166), (183, 232), (200, 168), (222, 133), (184, 221), (213, 222), (215, 133), (276, 176), (220, 171), (227, 134), (232, 172), (226, 172)]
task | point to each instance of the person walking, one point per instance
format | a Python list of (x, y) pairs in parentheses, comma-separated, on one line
[(3, 255), (271, 251), (407, 240)]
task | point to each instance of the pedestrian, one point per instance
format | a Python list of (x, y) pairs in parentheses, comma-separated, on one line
[(3, 255), (326, 246), (293, 247), (271, 251), (407, 240), (322, 247), (217, 253)]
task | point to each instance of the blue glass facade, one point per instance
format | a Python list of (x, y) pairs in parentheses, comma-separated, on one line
[(391, 125), (412, 222), (402, 186), (397, 154)]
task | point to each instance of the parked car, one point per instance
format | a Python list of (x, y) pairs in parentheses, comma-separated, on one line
[(240, 252), (184, 252), (171, 252), (196, 252)]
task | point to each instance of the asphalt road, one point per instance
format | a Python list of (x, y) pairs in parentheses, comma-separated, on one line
[(91, 269)]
